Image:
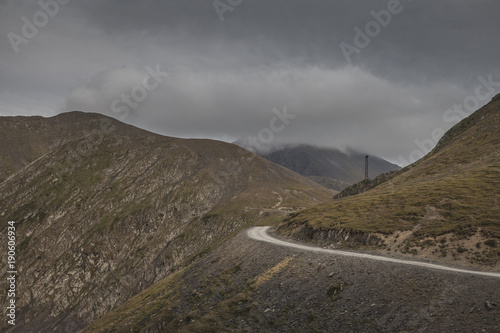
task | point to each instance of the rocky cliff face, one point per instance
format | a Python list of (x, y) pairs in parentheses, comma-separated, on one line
[(105, 214)]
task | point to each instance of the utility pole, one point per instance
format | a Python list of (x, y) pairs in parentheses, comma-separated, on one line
[(366, 167)]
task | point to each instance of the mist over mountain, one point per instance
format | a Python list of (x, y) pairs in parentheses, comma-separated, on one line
[(329, 167)]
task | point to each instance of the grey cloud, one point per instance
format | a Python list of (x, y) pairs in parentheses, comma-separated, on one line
[(226, 77), (345, 108)]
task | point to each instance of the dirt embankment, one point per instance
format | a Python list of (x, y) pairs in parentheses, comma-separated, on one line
[(475, 251)]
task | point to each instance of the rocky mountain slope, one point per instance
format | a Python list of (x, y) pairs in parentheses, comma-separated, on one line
[(366, 184), (329, 167), (446, 204), (250, 286), (444, 207), (103, 210)]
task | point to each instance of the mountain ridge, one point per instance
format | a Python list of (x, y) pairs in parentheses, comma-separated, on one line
[(105, 212), (27, 138)]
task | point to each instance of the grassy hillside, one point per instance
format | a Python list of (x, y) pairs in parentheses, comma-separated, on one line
[(445, 206), (103, 216)]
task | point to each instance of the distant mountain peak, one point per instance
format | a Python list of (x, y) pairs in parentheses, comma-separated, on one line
[(331, 167)]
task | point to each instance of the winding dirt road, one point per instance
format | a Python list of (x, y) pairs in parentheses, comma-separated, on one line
[(261, 234)]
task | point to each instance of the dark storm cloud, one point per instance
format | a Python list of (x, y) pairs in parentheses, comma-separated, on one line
[(226, 77), (437, 37)]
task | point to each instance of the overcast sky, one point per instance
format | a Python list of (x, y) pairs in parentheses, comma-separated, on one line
[(375, 76)]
